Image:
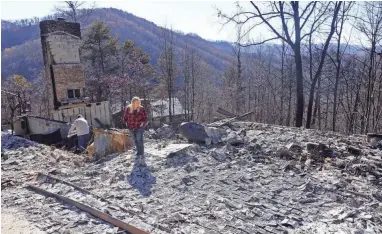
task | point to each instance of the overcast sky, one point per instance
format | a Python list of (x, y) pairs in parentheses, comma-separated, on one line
[(189, 17)]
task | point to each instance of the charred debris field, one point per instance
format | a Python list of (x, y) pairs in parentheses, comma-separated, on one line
[(251, 178)]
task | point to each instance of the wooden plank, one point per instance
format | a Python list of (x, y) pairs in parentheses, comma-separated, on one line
[(224, 112), (64, 114), (98, 114), (70, 114), (87, 113), (90, 210), (82, 111), (107, 119), (93, 114), (77, 111), (235, 118)]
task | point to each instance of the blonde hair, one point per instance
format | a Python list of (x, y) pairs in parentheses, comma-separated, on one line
[(131, 104)]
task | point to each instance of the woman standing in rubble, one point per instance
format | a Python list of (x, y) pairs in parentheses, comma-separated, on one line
[(135, 118)]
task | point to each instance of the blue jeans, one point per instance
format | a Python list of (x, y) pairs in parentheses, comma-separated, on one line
[(83, 142), (137, 135)]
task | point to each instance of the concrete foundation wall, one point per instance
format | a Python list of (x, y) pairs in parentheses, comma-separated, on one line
[(38, 125), (43, 126)]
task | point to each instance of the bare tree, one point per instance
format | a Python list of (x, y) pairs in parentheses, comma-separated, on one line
[(16, 93), (283, 58), (167, 66), (370, 25), (9, 103), (317, 75), (239, 89), (75, 11), (339, 54), (191, 68), (293, 19)]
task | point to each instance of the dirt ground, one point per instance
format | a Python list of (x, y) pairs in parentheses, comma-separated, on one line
[(15, 224)]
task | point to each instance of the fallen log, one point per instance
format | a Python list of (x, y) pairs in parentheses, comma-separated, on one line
[(90, 210)]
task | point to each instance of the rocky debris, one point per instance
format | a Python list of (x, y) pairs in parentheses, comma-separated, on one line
[(172, 149), (214, 135), (377, 195), (375, 143), (193, 132), (290, 223), (180, 160), (254, 183), (219, 155), (234, 139), (319, 149), (375, 136), (253, 135), (354, 151), (295, 148), (11, 142), (164, 132), (253, 148), (284, 153), (189, 180)]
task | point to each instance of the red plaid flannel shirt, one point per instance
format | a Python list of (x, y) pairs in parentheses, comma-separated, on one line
[(135, 119)]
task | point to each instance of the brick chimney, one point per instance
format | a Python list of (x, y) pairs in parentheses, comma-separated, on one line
[(65, 78)]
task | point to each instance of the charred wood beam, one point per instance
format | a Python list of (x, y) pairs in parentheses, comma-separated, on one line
[(107, 218), (224, 112), (235, 118), (48, 178)]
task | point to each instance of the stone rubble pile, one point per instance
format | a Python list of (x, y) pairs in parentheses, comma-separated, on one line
[(164, 132), (245, 178), (9, 141)]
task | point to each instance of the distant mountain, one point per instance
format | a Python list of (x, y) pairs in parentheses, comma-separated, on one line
[(21, 47), (13, 34)]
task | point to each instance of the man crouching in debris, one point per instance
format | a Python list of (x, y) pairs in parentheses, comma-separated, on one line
[(135, 119), (81, 128)]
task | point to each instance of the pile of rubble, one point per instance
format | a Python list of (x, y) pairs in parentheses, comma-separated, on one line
[(9, 142), (239, 177)]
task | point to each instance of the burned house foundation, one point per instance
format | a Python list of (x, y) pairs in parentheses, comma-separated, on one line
[(65, 84)]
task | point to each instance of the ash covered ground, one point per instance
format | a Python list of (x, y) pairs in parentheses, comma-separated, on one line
[(258, 179)]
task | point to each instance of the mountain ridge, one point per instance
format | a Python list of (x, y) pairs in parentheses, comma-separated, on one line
[(20, 41)]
